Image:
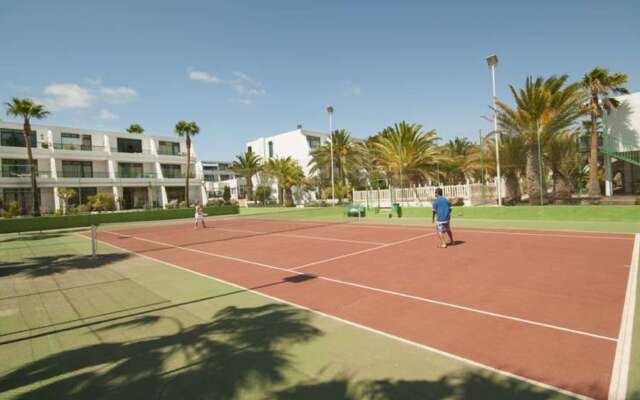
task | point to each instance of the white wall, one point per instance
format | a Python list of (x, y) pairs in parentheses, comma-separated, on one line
[(624, 122)]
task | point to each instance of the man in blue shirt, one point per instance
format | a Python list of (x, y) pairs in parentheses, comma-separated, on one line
[(441, 215)]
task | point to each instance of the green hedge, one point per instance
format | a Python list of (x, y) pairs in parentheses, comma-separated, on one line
[(85, 220)]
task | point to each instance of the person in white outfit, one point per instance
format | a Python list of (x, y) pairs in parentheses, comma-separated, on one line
[(199, 217)]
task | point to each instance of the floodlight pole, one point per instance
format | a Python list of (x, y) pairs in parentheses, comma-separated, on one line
[(333, 187), (492, 61)]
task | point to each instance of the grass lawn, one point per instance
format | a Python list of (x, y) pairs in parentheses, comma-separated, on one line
[(123, 326)]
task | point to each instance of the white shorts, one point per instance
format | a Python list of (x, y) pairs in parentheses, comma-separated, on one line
[(199, 217)]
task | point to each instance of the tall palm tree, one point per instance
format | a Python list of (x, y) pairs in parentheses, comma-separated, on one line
[(407, 152), (288, 173), (544, 107), (247, 165), (345, 156), (135, 128), (455, 152), (561, 157), (599, 83), (513, 162), (187, 129), (27, 109)]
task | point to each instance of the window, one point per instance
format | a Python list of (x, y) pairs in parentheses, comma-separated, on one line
[(223, 166), (210, 168), (249, 149), (15, 138), (314, 141), (82, 195), (270, 149), (171, 170), (77, 169), (210, 178), (225, 177), (74, 141), (15, 167), (129, 145), (169, 148), (130, 170), (21, 196)]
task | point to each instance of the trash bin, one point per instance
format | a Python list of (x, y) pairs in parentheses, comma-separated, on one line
[(397, 210)]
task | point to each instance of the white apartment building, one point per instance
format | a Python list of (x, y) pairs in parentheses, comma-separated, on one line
[(621, 147), (217, 175), (138, 170), (296, 144)]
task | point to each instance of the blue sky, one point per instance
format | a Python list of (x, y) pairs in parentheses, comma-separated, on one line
[(244, 69)]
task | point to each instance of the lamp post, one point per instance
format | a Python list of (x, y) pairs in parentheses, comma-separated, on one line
[(333, 188), (492, 61)]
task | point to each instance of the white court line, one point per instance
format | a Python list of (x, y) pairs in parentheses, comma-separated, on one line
[(364, 327), (555, 235), (299, 236), (622, 361), (385, 291), (355, 253)]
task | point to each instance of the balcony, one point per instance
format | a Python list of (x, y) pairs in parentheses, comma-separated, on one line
[(129, 151), (136, 175), (78, 175), (73, 147), (169, 152), (24, 174), (178, 175)]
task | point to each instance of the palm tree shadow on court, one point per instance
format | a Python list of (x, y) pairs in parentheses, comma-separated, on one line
[(238, 350)]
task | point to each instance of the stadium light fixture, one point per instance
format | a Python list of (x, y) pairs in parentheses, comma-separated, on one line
[(492, 62), (333, 187)]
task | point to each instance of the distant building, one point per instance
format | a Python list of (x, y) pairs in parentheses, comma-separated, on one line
[(621, 147), (139, 170), (217, 175), (296, 144)]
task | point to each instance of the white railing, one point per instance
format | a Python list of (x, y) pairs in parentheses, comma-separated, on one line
[(420, 196)]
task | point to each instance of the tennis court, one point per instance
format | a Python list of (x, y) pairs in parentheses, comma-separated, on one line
[(546, 307)]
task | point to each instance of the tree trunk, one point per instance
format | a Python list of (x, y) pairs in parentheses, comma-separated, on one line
[(533, 174), (564, 187), (288, 197), (35, 194), (249, 187), (512, 186), (594, 182), (186, 189)]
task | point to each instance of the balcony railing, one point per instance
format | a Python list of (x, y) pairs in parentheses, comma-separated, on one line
[(143, 151), (13, 173), (137, 175), (73, 146), (164, 152), (94, 175), (178, 174)]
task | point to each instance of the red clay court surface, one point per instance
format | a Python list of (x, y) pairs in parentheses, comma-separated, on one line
[(545, 306)]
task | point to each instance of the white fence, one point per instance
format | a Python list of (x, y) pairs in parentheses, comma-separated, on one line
[(421, 196)]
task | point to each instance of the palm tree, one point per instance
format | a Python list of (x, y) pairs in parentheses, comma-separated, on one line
[(455, 153), (288, 173), (346, 154), (544, 107), (247, 165), (599, 83), (513, 162), (406, 152), (561, 157), (135, 128), (27, 109), (187, 129), (65, 195)]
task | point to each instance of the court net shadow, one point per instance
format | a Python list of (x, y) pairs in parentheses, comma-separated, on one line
[(58, 264)]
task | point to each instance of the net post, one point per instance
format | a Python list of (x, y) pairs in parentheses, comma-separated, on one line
[(93, 241)]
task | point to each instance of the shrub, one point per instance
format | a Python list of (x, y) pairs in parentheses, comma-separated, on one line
[(182, 204), (83, 208), (101, 202), (226, 195), (263, 194), (13, 210)]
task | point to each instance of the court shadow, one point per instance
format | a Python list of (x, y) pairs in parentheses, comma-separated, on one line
[(58, 264), (457, 243), (30, 238), (239, 349), (458, 386)]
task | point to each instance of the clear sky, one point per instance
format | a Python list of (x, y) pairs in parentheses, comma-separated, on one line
[(243, 69)]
